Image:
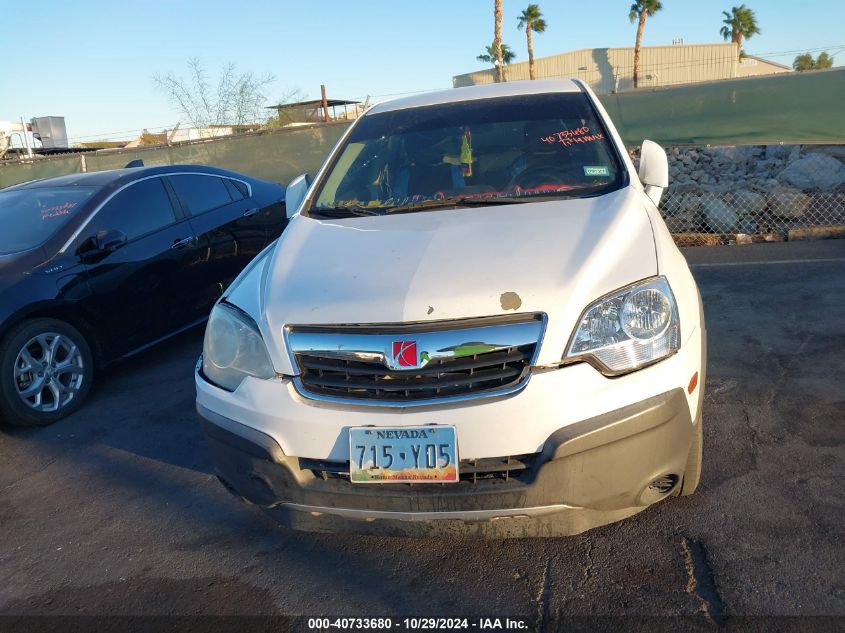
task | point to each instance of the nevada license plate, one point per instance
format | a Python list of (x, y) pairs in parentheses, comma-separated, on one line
[(412, 454)]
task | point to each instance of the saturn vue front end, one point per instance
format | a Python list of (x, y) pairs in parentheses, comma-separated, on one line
[(476, 321)]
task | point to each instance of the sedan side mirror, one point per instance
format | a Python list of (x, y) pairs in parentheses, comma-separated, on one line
[(109, 240), (654, 170), (103, 242), (295, 194)]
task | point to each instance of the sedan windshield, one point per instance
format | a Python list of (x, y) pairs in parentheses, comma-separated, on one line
[(29, 217), (503, 150)]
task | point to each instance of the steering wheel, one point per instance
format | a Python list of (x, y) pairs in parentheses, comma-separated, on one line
[(533, 176)]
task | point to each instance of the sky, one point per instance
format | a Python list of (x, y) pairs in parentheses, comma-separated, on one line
[(92, 61)]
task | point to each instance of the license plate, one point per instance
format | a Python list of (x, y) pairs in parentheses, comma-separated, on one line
[(412, 454)]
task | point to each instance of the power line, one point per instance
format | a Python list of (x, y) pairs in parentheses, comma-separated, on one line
[(801, 50), (149, 128), (645, 69), (132, 131), (617, 68), (410, 92)]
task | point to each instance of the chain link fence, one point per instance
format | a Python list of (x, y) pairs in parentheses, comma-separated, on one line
[(708, 218), (746, 194)]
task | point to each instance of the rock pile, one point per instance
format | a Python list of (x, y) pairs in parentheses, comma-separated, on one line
[(753, 188)]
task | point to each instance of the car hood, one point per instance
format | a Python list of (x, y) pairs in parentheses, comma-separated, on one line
[(551, 257)]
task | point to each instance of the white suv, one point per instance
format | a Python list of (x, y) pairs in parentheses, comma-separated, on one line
[(476, 320)]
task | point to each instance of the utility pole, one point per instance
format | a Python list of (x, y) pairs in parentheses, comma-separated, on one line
[(325, 104), (168, 136), (26, 139)]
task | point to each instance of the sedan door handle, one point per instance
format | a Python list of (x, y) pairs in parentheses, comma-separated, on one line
[(185, 241), (250, 212)]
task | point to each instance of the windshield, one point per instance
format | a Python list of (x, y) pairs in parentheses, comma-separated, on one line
[(503, 150), (28, 217)]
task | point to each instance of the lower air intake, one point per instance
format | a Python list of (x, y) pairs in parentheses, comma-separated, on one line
[(664, 484)]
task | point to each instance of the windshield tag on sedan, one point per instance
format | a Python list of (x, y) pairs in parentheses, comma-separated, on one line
[(596, 171)]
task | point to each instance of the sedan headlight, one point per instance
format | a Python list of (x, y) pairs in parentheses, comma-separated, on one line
[(233, 349), (628, 329)]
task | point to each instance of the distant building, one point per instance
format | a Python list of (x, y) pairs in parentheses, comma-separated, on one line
[(209, 131), (103, 145), (306, 112), (608, 70), (751, 66), (149, 139), (20, 138)]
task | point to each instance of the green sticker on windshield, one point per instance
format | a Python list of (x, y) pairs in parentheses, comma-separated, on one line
[(596, 171)]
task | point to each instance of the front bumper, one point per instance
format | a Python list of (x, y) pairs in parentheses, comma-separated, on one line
[(514, 424), (587, 474)]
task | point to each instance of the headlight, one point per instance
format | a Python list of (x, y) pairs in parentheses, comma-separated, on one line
[(233, 349), (628, 329)]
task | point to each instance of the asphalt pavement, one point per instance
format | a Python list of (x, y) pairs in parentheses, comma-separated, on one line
[(115, 510)]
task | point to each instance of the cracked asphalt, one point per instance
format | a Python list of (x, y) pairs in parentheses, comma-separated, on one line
[(116, 510)]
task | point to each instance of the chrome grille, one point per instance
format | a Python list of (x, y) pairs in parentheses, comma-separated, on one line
[(447, 360), (438, 379)]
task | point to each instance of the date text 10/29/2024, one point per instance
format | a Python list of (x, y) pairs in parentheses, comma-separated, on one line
[(417, 624)]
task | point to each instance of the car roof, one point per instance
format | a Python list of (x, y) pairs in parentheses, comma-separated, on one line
[(472, 93), (121, 176)]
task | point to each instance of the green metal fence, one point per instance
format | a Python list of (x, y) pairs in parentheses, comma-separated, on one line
[(14, 172), (277, 156), (790, 108), (801, 108)]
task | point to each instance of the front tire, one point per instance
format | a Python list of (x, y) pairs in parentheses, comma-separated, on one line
[(46, 370)]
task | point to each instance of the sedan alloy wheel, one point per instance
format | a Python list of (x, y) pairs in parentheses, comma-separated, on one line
[(46, 371), (49, 372)]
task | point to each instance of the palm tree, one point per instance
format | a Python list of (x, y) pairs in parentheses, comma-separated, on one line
[(490, 56), (497, 40), (640, 10), (532, 20), (739, 23)]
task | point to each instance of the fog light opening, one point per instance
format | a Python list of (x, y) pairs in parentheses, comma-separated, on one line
[(664, 484)]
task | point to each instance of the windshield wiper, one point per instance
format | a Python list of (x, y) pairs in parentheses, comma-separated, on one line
[(350, 211), (451, 202), (426, 205), (512, 199), (476, 201)]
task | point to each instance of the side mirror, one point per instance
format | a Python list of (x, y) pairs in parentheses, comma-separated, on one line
[(110, 240), (654, 170), (295, 194), (103, 242)]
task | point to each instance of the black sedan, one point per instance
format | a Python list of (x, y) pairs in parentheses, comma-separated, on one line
[(96, 267)]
